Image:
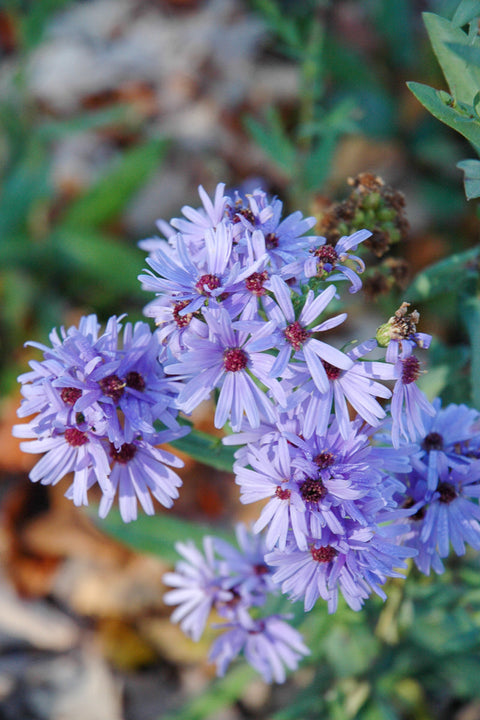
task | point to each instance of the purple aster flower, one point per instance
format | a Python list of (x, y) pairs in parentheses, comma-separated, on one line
[(269, 645), (56, 407), (270, 476), (283, 239), (197, 282), (192, 227), (74, 450), (327, 259), (197, 586), (97, 401), (244, 569), (450, 436), (174, 329), (193, 281), (358, 386), (230, 581), (140, 470), (354, 564), (409, 404), (294, 336), (86, 377), (448, 516), (343, 478), (199, 221), (225, 360)]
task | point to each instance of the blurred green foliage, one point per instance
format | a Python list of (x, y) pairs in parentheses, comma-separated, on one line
[(60, 253)]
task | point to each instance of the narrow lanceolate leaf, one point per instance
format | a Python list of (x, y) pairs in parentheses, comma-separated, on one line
[(445, 276), (471, 317), (471, 180), (206, 449), (462, 80), (273, 140), (442, 106)]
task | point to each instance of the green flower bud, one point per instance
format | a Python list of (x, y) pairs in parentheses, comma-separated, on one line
[(384, 334), (372, 201), (385, 214)]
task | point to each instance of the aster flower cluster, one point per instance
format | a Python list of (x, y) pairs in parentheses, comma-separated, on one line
[(101, 403), (443, 487), (357, 470), (236, 583)]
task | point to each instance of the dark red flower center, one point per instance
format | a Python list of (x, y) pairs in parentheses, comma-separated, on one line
[(271, 241), (75, 437), (70, 395), (447, 493), (207, 283), (282, 493), (181, 320), (260, 569), (135, 381), (296, 335), (323, 554), (112, 386), (123, 454), (420, 514), (410, 370), (235, 359), (333, 373), (433, 441), (254, 283), (327, 255), (246, 213), (313, 490), (324, 460)]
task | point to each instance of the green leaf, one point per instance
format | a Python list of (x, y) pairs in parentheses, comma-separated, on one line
[(34, 20), (471, 316), (318, 165), (96, 257), (442, 106), (394, 21), (348, 67), (57, 129), (445, 276), (272, 139), (220, 694), (17, 294), (466, 11), (107, 198), (469, 53), (471, 180), (27, 183), (157, 534), (206, 449), (462, 80), (281, 23), (339, 120), (461, 674)]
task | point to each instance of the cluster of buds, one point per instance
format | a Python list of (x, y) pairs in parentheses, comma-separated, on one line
[(374, 205)]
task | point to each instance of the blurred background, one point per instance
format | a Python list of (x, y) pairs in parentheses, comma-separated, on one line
[(112, 112)]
